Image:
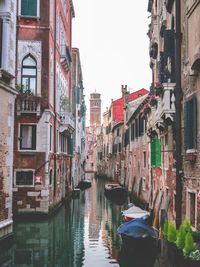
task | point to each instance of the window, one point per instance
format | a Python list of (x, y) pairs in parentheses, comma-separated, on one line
[(132, 131), (192, 207), (29, 8), (28, 137), (190, 115), (63, 143), (29, 75), (24, 177), (50, 138), (136, 128), (50, 177), (145, 158), (64, 6), (1, 40), (141, 125), (143, 183)]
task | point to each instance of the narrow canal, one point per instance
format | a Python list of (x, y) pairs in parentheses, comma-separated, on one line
[(82, 233)]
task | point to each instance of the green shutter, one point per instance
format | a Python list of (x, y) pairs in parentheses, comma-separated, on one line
[(70, 145), (158, 152), (194, 117), (29, 8), (190, 123), (155, 152)]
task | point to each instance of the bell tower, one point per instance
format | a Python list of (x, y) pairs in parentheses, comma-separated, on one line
[(95, 109)]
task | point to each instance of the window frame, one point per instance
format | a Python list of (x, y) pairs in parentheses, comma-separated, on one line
[(29, 16), (188, 206), (33, 148), (143, 184), (24, 170), (50, 137), (29, 76)]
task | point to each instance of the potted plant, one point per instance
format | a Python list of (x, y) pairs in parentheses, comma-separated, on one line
[(147, 109), (153, 101), (171, 238), (158, 89), (23, 91), (189, 244)]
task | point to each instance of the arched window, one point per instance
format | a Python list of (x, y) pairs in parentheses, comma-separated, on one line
[(29, 75)]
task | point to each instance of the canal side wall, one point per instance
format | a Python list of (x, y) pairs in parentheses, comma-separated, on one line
[(7, 107), (7, 101), (43, 124)]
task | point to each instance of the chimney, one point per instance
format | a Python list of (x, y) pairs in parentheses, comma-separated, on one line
[(124, 89)]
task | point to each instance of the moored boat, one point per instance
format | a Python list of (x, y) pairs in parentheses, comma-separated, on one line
[(138, 236), (115, 190), (84, 184), (134, 212)]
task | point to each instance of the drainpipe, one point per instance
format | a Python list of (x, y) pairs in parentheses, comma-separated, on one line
[(54, 102), (178, 100)]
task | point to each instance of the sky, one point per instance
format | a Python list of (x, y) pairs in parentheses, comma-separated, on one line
[(112, 38)]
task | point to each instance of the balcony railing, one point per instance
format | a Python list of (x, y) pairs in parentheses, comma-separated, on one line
[(28, 104), (164, 112), (67, 119), (65, 57)]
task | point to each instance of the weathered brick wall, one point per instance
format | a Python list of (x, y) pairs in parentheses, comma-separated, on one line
[(191, 86), (137, 170), (6, 154)]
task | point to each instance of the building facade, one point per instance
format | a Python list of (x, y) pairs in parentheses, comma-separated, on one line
[(79, 114), (7, 107), (176, 178), (190, 113), (44, 122), (114, 127), (92, 131)]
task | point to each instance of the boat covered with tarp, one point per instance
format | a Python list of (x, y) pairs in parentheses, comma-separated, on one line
[(137, 235)]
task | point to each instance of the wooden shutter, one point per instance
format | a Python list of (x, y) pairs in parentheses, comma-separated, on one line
[(29, 8), (190, 123), (34, 137), (136, 128)]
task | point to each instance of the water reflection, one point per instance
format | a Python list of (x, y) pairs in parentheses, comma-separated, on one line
[(81, 234)]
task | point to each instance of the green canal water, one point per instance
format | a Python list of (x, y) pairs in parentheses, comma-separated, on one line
[(82, 233)]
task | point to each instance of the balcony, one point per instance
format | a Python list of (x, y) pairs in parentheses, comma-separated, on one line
[(67, 120), (166, 105), (163, 114), (65, 57), (28, 104)]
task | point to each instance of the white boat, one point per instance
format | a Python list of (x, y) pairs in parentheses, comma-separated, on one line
[(134, 212)]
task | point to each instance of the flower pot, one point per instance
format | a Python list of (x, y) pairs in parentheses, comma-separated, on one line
[(147, 110), (190, 263), (158, 90), (179, 258), (153, 102), (172, 251)]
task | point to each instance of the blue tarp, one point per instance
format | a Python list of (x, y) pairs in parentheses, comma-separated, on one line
[(137, 228)]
